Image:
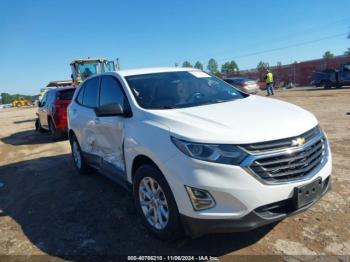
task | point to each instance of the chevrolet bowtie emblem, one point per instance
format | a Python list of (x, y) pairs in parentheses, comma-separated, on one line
[(298, 142)]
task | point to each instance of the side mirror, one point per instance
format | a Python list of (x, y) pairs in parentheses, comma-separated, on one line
[(113, 109)]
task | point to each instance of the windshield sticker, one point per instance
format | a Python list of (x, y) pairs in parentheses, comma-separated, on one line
[(199, 74)]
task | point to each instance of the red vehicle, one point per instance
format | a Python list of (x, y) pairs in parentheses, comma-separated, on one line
[(52, 111)]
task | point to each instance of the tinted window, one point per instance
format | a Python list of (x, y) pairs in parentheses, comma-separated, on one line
[(81, 95), (50, 98), (66, 94), (111, 91), (43, 100), (91, 92), (180, 89), (241, 80)]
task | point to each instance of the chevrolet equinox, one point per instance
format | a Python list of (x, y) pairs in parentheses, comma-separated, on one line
[(198, 155)]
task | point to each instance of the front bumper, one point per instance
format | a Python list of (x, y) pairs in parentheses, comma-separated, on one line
[(236, 192), (261, 216)]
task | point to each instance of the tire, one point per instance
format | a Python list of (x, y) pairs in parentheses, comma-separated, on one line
[(38, 127), (172, 229), (55, 133), (326, 84), (78, 158)]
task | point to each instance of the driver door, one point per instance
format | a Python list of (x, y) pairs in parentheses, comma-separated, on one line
[(110, 129)]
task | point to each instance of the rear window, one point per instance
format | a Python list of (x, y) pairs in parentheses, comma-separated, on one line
[(66, 94)]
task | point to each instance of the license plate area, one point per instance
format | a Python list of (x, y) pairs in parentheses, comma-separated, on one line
[(306, 194)]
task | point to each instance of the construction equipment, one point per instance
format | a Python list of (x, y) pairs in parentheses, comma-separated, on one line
[(83, 68), (21, 102)]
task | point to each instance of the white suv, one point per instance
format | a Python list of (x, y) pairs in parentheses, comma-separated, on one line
[(199, 155)]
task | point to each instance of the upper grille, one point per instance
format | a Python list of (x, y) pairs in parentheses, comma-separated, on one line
[(281, 143), (292, 163)]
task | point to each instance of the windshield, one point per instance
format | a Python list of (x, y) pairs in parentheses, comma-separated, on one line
[(180, 89), (90, 68)]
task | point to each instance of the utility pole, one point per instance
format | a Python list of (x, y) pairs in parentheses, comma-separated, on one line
[(291, 71)]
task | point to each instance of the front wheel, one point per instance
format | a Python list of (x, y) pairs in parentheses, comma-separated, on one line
[(326, 84), (156, 203)]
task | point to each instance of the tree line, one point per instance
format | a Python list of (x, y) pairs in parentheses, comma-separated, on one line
[(213, 67), (7, 98), (231, 67)]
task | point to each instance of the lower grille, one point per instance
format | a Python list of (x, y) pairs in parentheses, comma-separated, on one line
[(290, 165), (285, 206)]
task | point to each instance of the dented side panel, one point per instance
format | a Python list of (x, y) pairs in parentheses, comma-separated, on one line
[(109, 137)]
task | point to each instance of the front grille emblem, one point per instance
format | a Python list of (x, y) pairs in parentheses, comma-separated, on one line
[(298, 142)]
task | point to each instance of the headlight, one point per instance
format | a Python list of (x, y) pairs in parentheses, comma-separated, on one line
[(225, 154)]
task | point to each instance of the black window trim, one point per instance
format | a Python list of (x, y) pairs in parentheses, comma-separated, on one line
[(81, 89)]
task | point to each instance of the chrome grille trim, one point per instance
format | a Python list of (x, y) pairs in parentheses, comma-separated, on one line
[(280, 144), (289, 164)]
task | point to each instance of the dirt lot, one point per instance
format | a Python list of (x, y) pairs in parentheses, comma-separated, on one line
[(47, 208)]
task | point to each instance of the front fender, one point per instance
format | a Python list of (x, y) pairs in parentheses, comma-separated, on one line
[(148, 138)]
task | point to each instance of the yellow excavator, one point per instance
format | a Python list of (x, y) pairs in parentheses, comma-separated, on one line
[(21, 102), (83, 68)]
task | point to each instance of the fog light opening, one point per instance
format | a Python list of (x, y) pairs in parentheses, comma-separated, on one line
[(200, 199)]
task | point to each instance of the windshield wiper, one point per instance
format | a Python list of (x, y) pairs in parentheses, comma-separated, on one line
[(167, 107), (216, 101), (221, 100)]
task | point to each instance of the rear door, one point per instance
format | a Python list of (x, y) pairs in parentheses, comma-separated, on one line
[(110, 129), (83, 118)]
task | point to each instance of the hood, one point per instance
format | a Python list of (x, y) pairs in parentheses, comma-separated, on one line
[(249, 120)]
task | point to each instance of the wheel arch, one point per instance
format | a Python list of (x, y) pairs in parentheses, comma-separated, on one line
[(139, 161), (50, 118), (71, 134)]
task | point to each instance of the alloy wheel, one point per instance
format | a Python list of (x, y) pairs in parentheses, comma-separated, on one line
[(153, 203)]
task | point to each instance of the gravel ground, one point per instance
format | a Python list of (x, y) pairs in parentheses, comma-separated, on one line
[(47, 208)]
